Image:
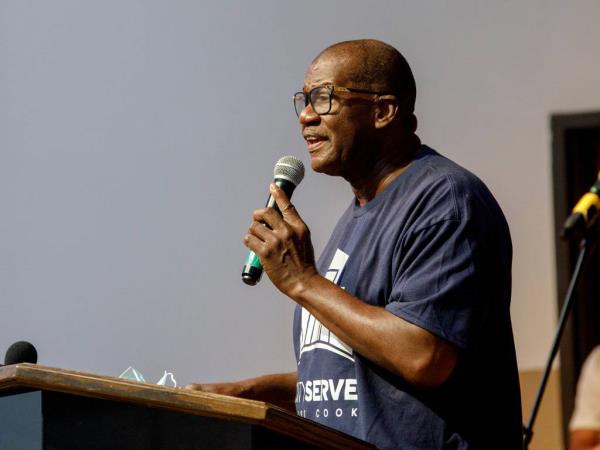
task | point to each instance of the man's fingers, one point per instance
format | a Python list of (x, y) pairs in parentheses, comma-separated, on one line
[(289, 206), (232, 389), (268, 217), (259, 230), (254, 243), (283, 202), (196, 387)]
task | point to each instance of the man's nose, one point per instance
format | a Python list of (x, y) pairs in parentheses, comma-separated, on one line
[(308, 115)]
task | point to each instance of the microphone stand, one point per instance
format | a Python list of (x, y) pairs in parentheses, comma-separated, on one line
[(584, 250)]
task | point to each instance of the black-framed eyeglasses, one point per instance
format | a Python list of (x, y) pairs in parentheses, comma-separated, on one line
[(320, 98)]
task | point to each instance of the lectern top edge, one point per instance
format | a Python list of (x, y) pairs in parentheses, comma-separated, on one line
[(34, 376), (27, 376)]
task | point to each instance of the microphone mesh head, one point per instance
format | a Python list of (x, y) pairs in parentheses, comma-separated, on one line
[(20, 352), (289, 168)]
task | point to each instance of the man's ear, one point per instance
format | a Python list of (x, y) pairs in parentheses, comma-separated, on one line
[(386, 110)]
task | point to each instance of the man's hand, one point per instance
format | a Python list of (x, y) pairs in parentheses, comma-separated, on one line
[(278, 389), (282, 242), (231, 389)]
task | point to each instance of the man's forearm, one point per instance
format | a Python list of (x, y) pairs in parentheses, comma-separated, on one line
[(407, 350)]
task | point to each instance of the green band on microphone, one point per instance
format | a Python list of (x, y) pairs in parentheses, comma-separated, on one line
[(253, 260)]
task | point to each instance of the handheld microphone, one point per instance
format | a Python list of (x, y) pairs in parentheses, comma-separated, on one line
[(287, 174), (584, 213), (20, 352)]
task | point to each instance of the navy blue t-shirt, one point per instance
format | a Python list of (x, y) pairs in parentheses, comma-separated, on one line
[(434, 249)]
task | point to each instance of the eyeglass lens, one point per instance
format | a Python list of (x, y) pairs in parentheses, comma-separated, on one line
[(320, 100)]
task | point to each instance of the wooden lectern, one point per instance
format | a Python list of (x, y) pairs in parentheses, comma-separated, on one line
[(48, 408)]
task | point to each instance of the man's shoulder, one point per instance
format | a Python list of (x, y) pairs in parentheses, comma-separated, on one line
[(436, 189), (435, 171), (433, 166)]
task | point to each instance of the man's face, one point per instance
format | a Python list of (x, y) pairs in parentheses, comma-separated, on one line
[(335, 140)]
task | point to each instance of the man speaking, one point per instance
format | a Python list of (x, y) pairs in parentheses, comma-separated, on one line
[(402, 327)]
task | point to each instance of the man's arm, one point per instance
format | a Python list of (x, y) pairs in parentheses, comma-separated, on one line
[(278, 389), (285, 250), (415, 354), (584, 440), (584, 429)]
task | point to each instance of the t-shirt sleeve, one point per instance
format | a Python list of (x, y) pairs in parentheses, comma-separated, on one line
[(434, 283), (586, 415)]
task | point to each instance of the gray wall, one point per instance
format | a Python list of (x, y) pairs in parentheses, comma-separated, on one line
[(136, 137)]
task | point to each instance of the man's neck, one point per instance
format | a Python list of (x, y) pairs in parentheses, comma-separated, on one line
[(367, 191), (370, 183)]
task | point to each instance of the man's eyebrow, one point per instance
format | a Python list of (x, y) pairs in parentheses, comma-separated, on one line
[(325, 84)]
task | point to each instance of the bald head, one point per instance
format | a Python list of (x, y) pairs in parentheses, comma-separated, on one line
[(376, 66)]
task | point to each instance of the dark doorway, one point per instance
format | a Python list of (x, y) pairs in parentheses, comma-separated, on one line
[(576, 162)]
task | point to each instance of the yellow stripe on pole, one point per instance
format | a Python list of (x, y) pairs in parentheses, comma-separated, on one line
[(586, 201)]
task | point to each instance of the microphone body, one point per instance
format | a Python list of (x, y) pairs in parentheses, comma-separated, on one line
[(584, 213), (288, 173)]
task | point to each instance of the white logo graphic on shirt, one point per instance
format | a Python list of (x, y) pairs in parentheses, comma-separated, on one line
[(337, 266), (313, 334)]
